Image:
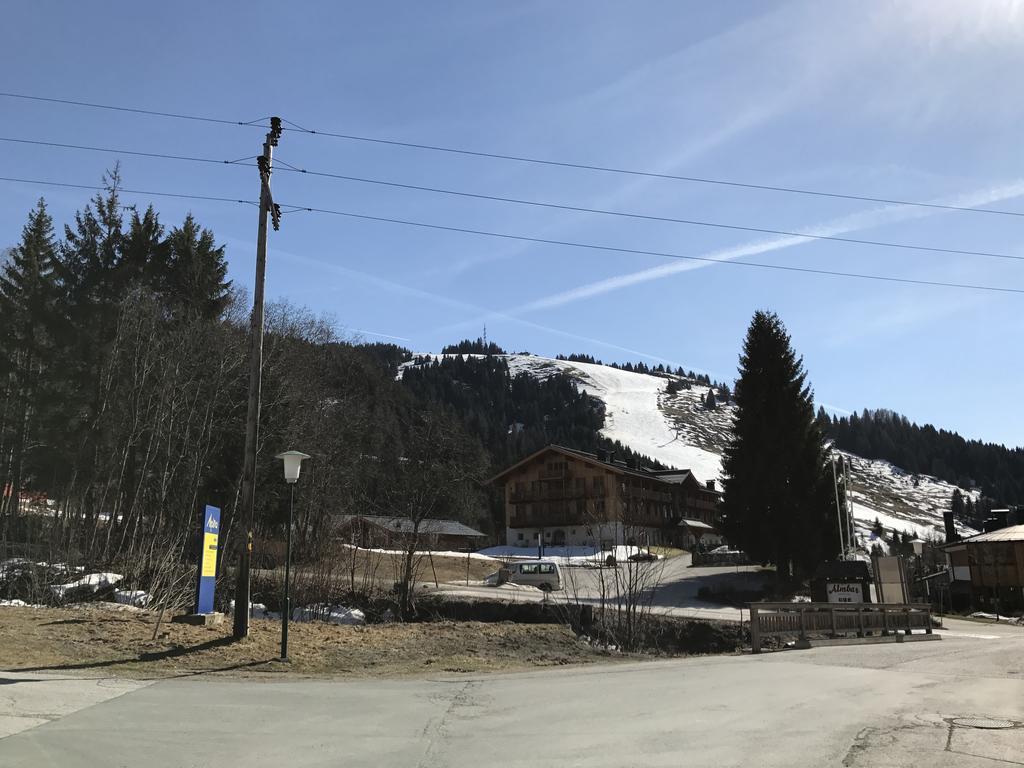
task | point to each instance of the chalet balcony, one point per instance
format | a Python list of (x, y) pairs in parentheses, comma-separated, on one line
[(554, 494), (554, 474), (549, 520)]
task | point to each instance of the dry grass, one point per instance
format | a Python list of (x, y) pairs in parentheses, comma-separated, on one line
[(381, 570), (100, 640)]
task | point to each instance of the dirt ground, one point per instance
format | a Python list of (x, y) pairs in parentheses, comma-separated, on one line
[(99, 639), (378, 569)]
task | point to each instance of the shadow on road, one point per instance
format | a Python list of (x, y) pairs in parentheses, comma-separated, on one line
[(683, 593)]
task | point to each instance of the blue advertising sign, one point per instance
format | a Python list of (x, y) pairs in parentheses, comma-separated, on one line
[(208, 560)]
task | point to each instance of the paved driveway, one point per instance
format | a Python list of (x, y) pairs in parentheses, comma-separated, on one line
[(886, 705), (675, 595)]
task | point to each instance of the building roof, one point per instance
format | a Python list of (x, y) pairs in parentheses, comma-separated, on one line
[(662, 475), (1010, 533), (429, 526), (696, 524)]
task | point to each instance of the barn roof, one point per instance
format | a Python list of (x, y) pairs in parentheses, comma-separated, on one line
[(429, 526)]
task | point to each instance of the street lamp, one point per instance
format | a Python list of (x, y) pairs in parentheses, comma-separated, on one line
[(292, 467)]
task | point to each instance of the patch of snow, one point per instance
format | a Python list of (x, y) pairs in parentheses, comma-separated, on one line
[(633, 414), (434, 553), (566, 556), (329, 614), (997, 617), (92, 582), (136, 597), (256, 611), (19, 604)]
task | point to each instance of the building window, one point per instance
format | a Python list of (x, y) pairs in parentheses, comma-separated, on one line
[(520, 536)]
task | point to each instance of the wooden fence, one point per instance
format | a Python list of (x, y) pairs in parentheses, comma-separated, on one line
[(835, 619)]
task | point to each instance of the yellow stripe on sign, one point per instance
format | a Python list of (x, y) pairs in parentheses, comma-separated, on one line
[(209, 554)]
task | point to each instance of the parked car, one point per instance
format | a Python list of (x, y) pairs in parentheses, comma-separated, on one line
[(543, 574)]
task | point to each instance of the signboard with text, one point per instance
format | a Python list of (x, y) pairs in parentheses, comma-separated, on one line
[(844, 592), (208, 560)]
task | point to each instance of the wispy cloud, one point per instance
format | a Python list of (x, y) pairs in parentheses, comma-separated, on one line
[(861, 220), (362, 332), (401, 289)]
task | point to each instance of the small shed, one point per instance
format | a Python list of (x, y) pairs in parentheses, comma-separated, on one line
[(394, 532)]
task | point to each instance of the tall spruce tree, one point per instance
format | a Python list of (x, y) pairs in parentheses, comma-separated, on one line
[(958, 507), (143, 258), (196, 272), (779, 502), (28, 306)]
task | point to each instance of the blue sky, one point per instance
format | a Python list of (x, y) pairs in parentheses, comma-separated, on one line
[(904, 100)]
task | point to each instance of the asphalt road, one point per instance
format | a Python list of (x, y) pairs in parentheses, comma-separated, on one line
[(674, 595), (872, 705)]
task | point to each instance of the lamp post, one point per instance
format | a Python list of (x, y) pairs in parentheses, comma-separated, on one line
[(292, 467)]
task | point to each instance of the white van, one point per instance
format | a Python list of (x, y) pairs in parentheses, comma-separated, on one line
[(535, 573)]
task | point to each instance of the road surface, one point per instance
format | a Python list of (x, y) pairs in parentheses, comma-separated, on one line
[(869, 705), (676, 594)]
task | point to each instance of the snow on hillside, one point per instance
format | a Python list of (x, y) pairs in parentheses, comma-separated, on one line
[(676, 429), (909, 503), (633, 412)]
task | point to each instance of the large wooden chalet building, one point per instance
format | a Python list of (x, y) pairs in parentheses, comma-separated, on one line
[(574, 498)]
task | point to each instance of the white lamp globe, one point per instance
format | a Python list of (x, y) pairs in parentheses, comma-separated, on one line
[(292, 464)]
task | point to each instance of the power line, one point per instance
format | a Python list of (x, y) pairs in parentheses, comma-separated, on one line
[(540, 204), (258, 123), (525, 158), (665, 254), (97, 187), (549, 241), (649, 217), (133, 152)]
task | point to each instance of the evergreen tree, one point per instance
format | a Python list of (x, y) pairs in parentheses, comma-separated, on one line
[(196, 281), (28, 306), (92, 293), (143, 258), (877, 528), (779, 503), (958, 506), (710, 403)]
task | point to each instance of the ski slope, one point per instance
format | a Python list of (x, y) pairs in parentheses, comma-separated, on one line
[(633, 413), (676, 429)]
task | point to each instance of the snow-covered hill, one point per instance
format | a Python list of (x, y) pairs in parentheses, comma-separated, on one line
[(677, 429)]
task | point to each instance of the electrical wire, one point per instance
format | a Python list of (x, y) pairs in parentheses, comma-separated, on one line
[(548, 241), (522, 158), (536, 203)]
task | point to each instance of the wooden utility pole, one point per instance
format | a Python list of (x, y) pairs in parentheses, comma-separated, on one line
[(252, 422)]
